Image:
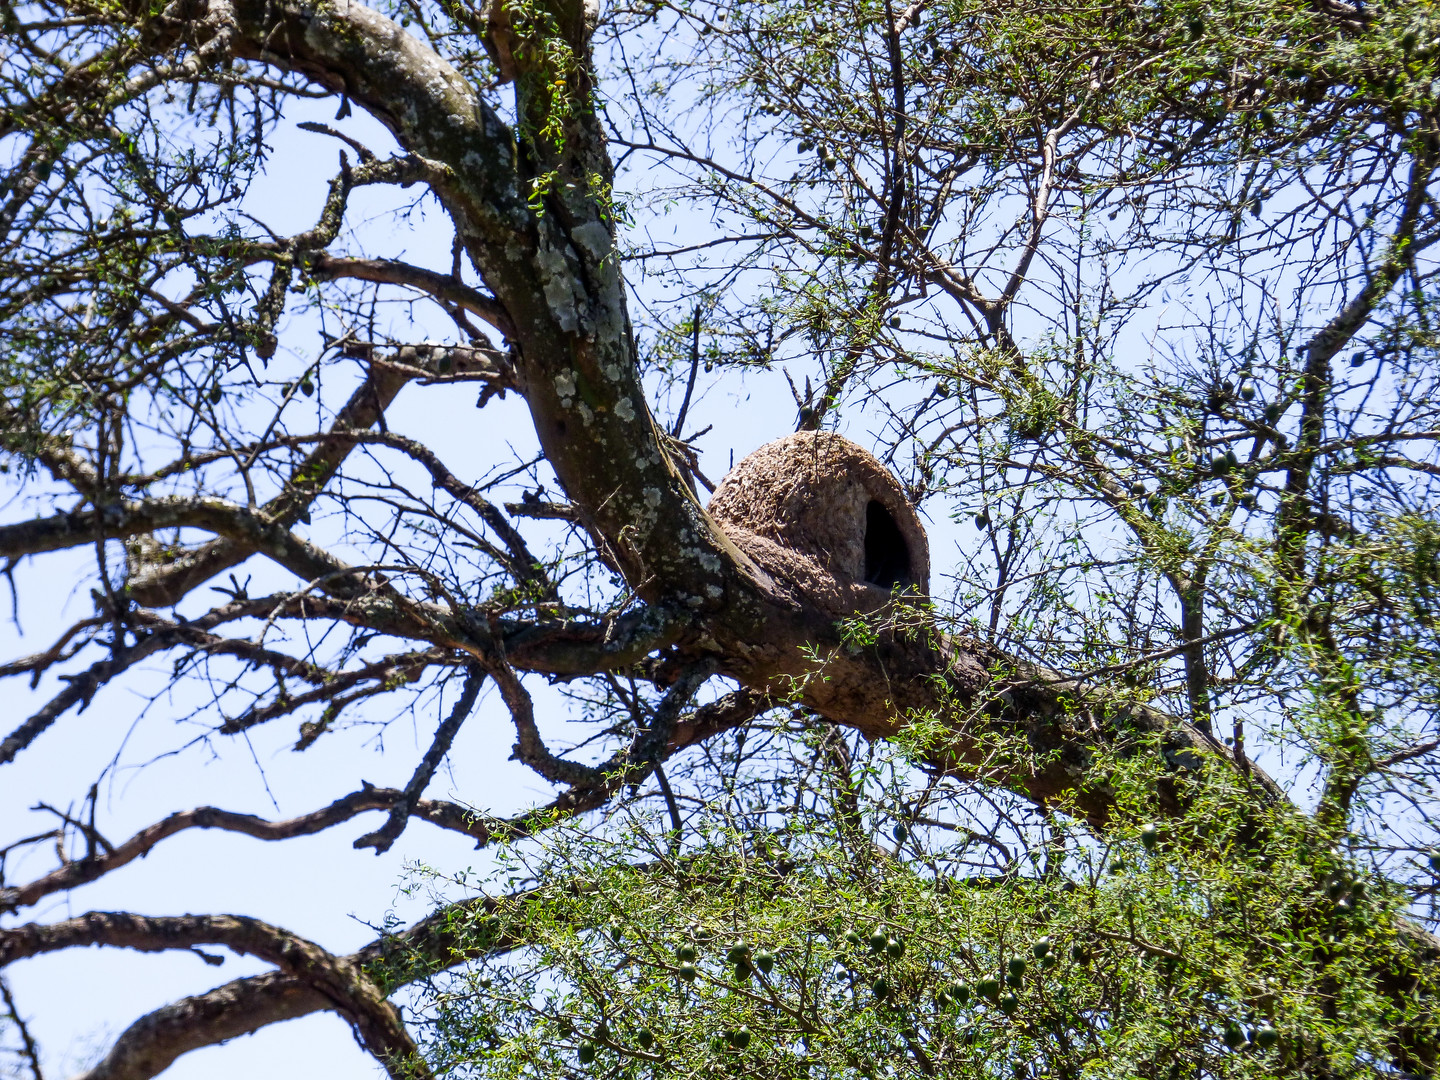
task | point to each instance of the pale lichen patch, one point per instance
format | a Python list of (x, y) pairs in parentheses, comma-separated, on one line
[(593, 237)]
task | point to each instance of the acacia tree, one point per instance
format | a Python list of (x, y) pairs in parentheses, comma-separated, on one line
[(1091, 266)]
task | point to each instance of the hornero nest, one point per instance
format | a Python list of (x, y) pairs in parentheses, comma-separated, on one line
[(826, 521)]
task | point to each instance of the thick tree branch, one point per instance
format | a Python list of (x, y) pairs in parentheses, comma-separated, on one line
[(244, 1006), (152, 1043), (339, 980)]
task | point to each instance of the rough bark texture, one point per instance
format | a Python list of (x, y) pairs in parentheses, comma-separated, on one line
[(758, 589)]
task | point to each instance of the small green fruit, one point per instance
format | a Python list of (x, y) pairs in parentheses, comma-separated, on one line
[(900, 832), (1234, 1035), (878, 940), (765, 960), (687, 972), (1079, 955), (646, 1038), (960, 993), (585, 1053), (895, 322), (1434, 856), (1265, 1037), (894, 948), (1247, 390), (739, 953), (852, 936), (307, 387), (1041, 948), (1008, 1004), (881, 989), (1016, 966), (1150, 836), (989, 989), (686, 953), (739, 1038)]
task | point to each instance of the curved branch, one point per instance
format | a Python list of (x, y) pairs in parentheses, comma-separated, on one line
[(244, 1006), (446, 815), (340, 981), (151, 1044), (723, 714)]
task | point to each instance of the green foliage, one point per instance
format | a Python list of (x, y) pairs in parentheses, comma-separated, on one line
[(1217, 945)]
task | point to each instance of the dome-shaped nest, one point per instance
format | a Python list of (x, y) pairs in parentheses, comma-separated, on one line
[(817, 496)]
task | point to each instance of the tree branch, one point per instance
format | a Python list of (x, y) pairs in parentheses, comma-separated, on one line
[(382, 838), (341, 981), (79, 872), (164, 586), (392, 272)]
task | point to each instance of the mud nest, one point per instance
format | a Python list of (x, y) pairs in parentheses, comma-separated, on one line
[(826, 519)]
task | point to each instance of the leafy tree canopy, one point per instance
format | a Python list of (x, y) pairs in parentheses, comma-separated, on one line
[(1135, 299)]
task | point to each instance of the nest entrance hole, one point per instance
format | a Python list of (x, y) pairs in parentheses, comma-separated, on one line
[(887, 556)]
